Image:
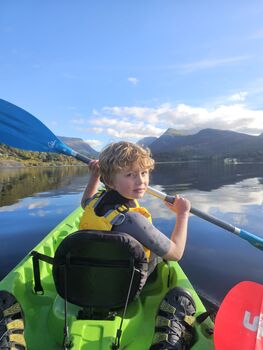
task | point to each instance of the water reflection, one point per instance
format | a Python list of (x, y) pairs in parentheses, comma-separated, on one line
[(215, 259), (24, 182), (203, 176), (34, 200)]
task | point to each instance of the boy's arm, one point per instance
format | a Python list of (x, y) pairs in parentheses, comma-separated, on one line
[(149, 236), (93, 184), (181, 207)]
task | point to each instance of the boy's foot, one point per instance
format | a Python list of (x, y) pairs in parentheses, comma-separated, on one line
[(11, 323), (173, 326)]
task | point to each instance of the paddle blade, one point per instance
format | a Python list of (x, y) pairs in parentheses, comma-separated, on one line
[(22, 130), (239, 321)]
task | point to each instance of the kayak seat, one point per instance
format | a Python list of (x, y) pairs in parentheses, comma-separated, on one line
[(100, 271)]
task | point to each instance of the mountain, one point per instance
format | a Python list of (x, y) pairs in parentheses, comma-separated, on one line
[(80, 146), (207, 144), (174, 132), (146, 141)]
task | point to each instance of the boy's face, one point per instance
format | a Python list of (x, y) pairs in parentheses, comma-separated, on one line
[(131, 182)]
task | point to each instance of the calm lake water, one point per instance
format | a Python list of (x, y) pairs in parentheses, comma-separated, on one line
[(34, 200)]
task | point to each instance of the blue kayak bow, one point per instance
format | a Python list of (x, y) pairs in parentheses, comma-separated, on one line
[(22, 130)]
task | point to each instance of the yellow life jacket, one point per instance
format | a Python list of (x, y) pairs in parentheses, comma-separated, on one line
[(91, 221)]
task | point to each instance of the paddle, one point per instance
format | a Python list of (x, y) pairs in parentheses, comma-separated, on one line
[(239, 320), (22, 130)]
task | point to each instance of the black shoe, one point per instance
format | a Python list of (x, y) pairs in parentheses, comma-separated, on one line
[(11, 323), (174, 322)]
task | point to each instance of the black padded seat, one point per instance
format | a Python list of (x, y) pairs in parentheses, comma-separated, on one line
[(94, 268)]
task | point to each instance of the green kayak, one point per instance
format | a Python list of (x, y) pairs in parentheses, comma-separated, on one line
[(36, 316)]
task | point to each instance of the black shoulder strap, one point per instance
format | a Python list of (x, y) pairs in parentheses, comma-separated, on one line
[(110, 200)]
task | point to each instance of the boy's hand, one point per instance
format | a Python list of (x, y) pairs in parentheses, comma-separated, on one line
[(94, 168), (180, 206), (93, 184)]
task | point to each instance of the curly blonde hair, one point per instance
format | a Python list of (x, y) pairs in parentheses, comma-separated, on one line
[(119, 155)]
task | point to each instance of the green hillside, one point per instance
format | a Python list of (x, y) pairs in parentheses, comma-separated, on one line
[(10, 156)]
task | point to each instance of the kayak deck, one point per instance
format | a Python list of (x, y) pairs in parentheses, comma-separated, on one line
[(44, 314)]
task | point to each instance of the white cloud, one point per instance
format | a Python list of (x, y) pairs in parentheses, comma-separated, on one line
[(136, 122), (235, 117), (91, 130), (105, 121), (207, 64), (40, 213), (94, 143), (238, 97), (133, 80), (135, 131), (79, 121), (228, 199), (25, 205), (147, 114), (11, 208), (38, 204)]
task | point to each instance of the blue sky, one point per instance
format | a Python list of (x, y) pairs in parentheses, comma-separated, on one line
[(113, 69)]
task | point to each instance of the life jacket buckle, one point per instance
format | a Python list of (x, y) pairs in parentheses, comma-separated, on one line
[(122, 209)]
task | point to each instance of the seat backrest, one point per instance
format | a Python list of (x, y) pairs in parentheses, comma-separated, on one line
[(94, 268)]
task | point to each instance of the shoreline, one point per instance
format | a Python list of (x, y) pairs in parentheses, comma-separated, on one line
[(15, 164)]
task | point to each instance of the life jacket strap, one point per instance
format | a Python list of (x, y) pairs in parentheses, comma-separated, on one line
[(117, 216)]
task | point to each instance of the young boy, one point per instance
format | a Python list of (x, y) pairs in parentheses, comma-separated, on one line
[(124, 168)]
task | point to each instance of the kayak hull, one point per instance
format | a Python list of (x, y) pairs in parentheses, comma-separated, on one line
[(44, 314)]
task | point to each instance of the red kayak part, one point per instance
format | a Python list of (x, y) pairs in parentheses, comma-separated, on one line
[(239, 321)]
